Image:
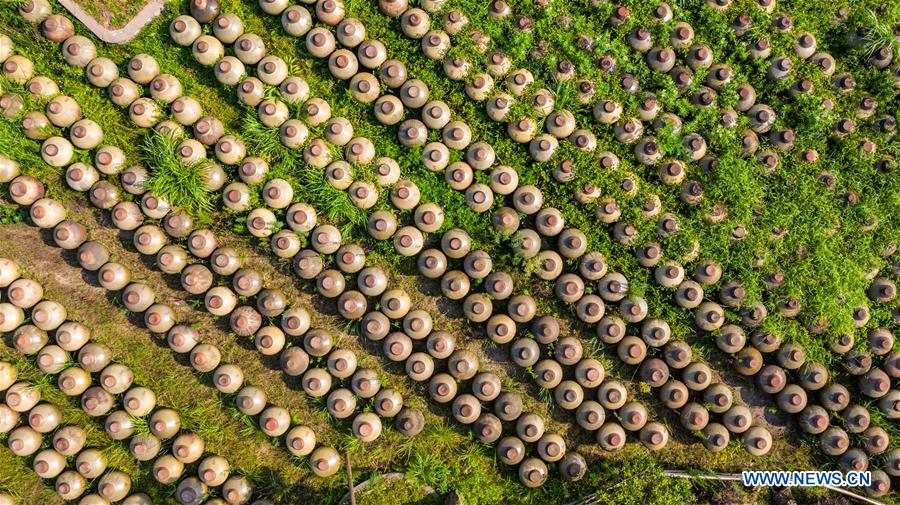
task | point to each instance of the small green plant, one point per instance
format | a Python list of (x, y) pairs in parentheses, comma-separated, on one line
[(10, 214)]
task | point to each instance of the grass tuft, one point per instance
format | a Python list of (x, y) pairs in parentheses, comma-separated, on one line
[(184, 186), (263, 141), (881, 35)]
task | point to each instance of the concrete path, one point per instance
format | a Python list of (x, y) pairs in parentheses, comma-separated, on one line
[(122, 35)]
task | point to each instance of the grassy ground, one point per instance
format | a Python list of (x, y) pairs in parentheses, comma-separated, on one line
[(827, 271)]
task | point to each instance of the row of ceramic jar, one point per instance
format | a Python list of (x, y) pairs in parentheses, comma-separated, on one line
[(792, 398), (560, 125), (50, 464), (640, 39), (732, 294), (267, 341), (308, 268), (571, 395), (873, 382), (611, 329), (731, 338), (270, 340), (462, 239), (866, 108), (416, 324), (114, 379), (221, 301), (588, 372), (411, 240), (32, 340), (398, 346), (90, 463), (748, 360), (769, 113), (146, 112), (271, 71), (330, 285), (143, 69), (521, 79), (128, 217), (69, 337), (63, 112), (480, 201), (251, 318), (204, 357), (413, 93), (813, 418), (549, 374), (208, 130)]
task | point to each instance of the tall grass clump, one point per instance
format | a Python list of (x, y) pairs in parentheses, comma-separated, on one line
[(310, 186), (264, 141), (182, 185), (881, 35)]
